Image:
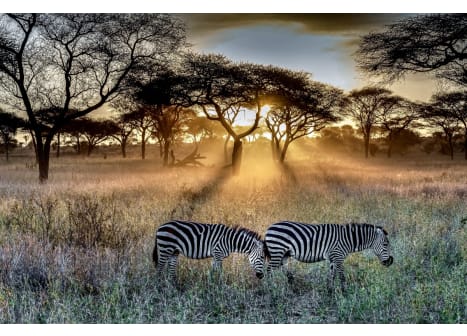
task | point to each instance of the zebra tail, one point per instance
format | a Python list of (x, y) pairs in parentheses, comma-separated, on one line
[(267, 255), (155, 257)]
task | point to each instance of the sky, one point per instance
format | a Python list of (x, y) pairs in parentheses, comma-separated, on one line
[(288, 33), (321, 44)]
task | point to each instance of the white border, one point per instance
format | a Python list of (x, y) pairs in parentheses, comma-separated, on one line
[(235, 6)]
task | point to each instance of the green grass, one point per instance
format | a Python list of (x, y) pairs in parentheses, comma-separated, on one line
[(77, 250)]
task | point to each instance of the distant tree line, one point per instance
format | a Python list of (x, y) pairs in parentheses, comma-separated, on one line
[(55, 69)]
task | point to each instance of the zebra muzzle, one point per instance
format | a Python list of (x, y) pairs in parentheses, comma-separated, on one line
[(388, 262), (260, 275)]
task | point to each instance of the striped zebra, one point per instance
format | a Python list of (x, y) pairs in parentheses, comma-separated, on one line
[(310, 243), (199, 241)]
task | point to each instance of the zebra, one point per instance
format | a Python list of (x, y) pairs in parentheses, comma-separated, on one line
[(311, 243), (199, 241)]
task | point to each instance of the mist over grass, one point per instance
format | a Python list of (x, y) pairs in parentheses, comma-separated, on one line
[(78, 249)]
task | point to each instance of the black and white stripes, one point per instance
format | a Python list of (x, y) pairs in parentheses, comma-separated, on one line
[(199, 241), (311, 243)]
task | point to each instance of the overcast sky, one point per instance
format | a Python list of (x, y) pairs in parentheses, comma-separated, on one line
[(322, 44)]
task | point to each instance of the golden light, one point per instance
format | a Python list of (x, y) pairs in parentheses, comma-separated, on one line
[(264, 110)]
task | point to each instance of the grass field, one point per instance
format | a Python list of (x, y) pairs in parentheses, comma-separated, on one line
[(78, 249)]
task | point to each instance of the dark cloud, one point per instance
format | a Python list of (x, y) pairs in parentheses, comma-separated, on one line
[(341, 24)]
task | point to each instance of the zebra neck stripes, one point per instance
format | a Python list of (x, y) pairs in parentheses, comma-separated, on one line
[(358, 237), (240, 240)]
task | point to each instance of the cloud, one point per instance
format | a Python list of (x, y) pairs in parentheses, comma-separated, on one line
[(340, 24)]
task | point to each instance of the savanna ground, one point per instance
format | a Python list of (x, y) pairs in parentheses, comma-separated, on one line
[(78, 249)]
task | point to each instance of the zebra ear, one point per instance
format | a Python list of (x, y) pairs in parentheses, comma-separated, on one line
[(380, 229)]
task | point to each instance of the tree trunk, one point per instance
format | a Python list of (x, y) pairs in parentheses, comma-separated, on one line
[(237, 156), (166, 153), (284, 152), (143, 144), (451, 147), (78, 145), (123, 147), (275, 149), (226, 154), (366, 139), (389, 149), (43, 157), (58, 145), (34, 143), (7, 148), (390, 140), (465, 145)]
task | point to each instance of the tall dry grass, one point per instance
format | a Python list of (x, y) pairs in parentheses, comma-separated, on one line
[(78, 248)]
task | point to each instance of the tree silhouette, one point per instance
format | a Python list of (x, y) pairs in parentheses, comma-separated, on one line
[(71, 64), (438, 116), (403, 140), (219, 87), (342, 138), (424, 43), (165, 100), (299, 107), (122, 133), (397, 118), (123, 105), (201, 128), (454, 104), (94, 131), (141, 121), (366, 106), (9, 124)]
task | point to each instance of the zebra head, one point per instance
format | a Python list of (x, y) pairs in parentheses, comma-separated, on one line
[(381, 247), (256, 258)]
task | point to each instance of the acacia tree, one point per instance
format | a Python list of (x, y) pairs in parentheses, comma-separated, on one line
[(94, 131), (439, 117), (9, 124), (124, 126), (299, 107), (201, 128), (424, 43), (220, 87), (164, 98), (454, 104), (72, 64), (142, 122), (366, 106), (397, 118), (123, 131)]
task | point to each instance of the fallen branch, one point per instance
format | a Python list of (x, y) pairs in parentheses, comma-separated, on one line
[(191, 159)]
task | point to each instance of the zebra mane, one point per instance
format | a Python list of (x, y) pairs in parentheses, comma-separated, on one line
[(248, 232), (370, 225)]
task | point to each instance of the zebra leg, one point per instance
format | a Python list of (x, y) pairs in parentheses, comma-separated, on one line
[(216, 270), (279, 261), (331, 277), (173, 266), (340, 271), (274, 262), (162, 260), (217, 264), (285, 265), (337, 266)]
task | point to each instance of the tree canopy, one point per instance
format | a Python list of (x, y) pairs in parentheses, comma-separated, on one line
[(71, 64), (423, 43)]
